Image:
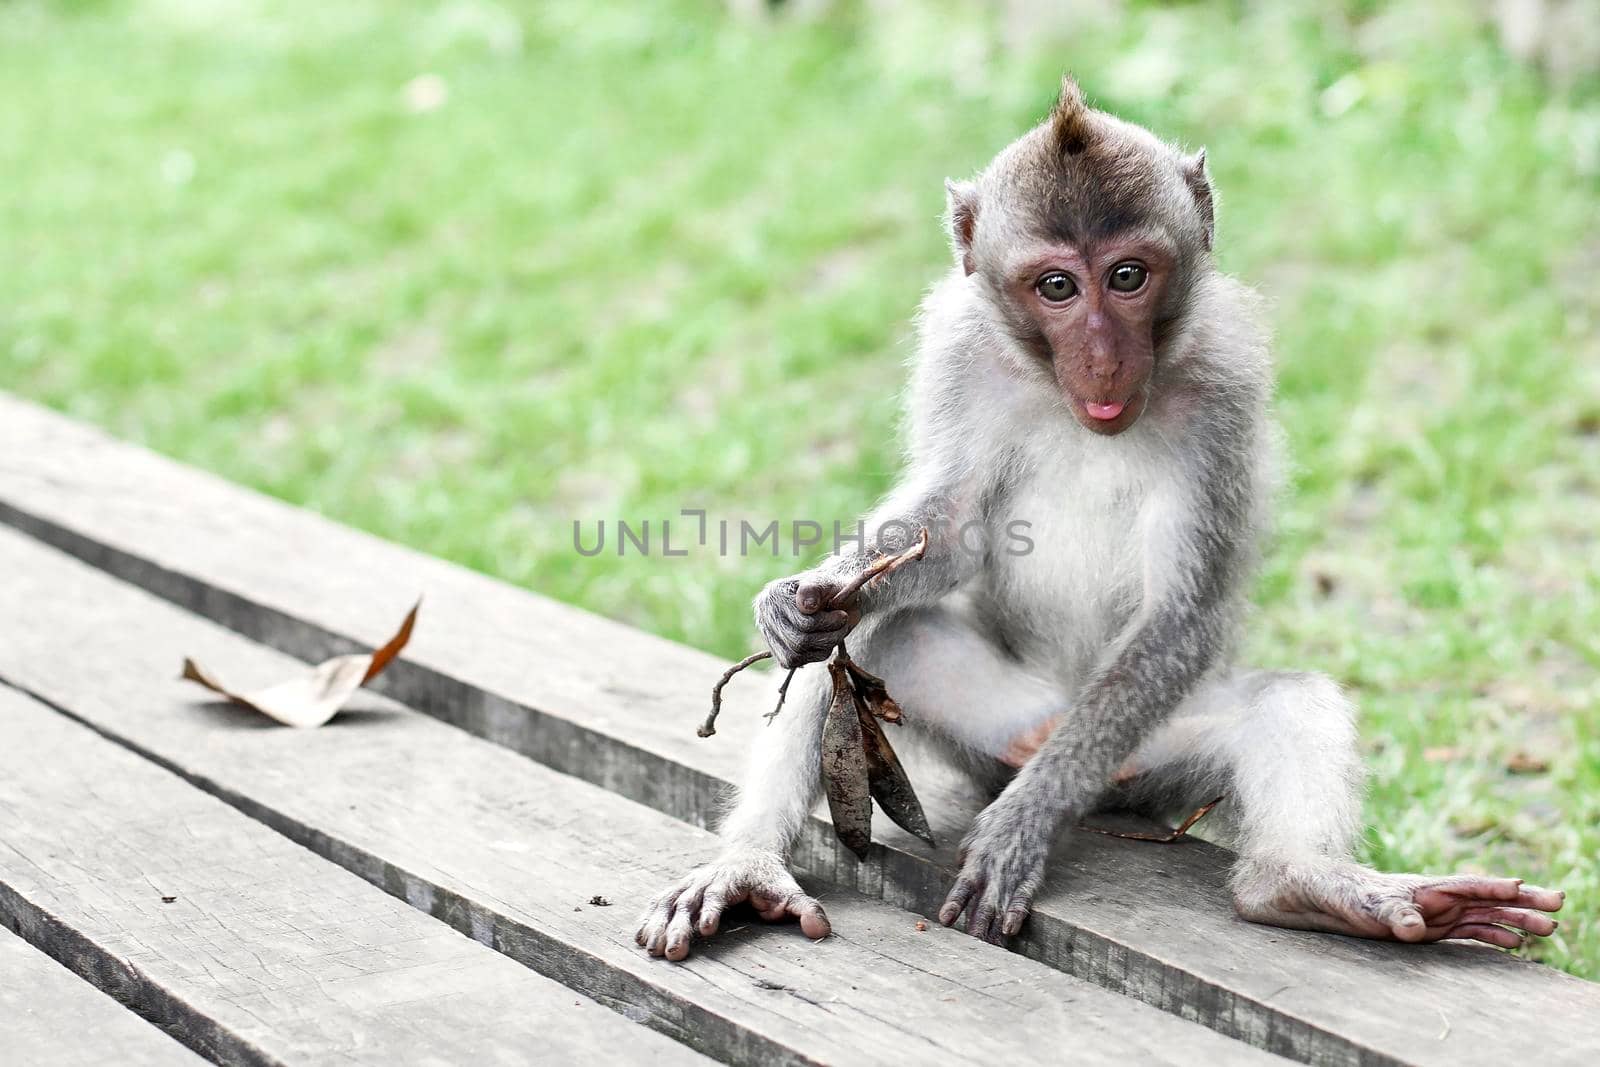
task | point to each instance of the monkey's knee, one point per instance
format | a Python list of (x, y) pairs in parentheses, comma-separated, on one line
[(1306, 704)]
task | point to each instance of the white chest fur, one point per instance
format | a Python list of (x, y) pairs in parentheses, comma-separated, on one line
[(1092, 511)]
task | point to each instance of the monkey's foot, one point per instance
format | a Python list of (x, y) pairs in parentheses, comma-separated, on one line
[(1345, 898), (695, 904)]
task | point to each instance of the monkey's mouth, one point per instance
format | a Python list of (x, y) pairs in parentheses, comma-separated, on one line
[(1110, 417), (1104, 412)]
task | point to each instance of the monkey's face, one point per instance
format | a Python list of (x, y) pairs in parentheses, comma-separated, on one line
[(1085, 234), (1090, 311)]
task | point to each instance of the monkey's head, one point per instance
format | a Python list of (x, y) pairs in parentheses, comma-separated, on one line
[(1085, 236)]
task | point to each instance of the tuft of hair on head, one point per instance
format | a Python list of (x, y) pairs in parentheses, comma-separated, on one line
[(1069, 119)]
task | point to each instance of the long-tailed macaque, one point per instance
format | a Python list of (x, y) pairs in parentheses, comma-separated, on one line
[(1086, 371)]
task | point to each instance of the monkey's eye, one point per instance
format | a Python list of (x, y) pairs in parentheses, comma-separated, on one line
[(1057, 287), (1128, 277)]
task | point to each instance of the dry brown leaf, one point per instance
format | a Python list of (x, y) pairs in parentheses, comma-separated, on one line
[(1443, 754), (313, 698)]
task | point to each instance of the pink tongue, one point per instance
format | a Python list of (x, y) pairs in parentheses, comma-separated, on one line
[(1105, 412)]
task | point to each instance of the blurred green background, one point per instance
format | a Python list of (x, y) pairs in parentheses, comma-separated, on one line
[(461, 273)]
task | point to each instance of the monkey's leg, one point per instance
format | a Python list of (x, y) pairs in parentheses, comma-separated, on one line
[(1282, 747)]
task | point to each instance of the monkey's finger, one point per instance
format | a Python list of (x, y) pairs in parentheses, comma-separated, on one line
[(820, 622), (718, 898), (1403, 918), (680, 931), (813, 596), (1489, 935), (1533, 922), (789, 652), (660, 902), (1441, 894), (812, 648), (813, 920), (1014, 917), (802, 648), (647, 923), (655, 934), (796, 648), (791, 622), (1531, 896), (823, 641), (956, 902), (981, 918), (786, 657), (654, 920)]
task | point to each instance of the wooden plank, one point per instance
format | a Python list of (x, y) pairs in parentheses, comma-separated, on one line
[(616, 707), (264, 954), (513, 853), (49, 1017)]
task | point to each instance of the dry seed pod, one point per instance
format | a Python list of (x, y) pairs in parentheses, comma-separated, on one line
[(844, 764), (887, 781)]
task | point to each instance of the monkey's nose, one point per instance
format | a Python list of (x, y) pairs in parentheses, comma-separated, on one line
[(1104, 369)]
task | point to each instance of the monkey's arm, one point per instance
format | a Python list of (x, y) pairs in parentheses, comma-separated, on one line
[(1155, 664)]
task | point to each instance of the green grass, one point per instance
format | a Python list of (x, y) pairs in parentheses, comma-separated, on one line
[(649, 257)]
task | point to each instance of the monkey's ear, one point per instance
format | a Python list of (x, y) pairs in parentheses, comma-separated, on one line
[(962, 199), (1199, 183)]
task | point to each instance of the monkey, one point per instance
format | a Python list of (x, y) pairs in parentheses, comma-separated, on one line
[(1084, 369)]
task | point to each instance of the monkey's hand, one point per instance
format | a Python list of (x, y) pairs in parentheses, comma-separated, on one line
[(1002, 867), (695, 904), (796, 622), (1346, 898)]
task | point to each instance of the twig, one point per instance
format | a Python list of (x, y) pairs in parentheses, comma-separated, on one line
[(1160, 839), (783, 693), (876, 569), (709, 727), (881, 566)]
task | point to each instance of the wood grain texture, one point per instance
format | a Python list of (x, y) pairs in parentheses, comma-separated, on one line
[(264, 953), (513, 853), (616, 707), (49, 1017)]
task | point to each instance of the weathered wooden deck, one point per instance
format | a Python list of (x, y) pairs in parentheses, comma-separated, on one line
[(268, 895)]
